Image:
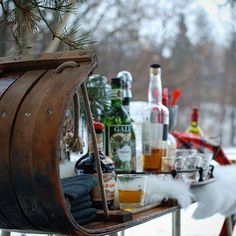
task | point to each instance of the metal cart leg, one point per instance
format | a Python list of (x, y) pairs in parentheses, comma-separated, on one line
[(176, 231), (229, 226), (5, 233)]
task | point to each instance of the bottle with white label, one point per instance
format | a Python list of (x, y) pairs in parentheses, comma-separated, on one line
[(155, 124), (118, 130), (127, 97)]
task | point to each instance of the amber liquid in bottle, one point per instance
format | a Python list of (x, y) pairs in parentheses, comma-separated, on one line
[(155, 124), (152, 162)]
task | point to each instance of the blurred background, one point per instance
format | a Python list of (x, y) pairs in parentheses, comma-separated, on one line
[(194, 41)]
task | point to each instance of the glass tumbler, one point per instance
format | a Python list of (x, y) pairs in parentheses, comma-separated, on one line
[(131, 190), (191, 163)]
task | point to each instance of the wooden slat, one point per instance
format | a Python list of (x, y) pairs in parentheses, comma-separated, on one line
[(46, 60), (9, 105), (104, 227), (114, 215), (25, 192), (7, 80)]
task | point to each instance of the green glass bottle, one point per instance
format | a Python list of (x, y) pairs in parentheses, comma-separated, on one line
[(118, 130), (127, 96)]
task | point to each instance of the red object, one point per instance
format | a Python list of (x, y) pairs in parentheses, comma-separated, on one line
[(185, 140), (175, 96), (98, 125), (165, 98), (195, 114)]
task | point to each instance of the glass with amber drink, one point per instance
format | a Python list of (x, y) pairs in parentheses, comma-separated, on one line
[(131, 190)]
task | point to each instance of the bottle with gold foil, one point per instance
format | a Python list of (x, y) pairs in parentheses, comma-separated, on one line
[(194, 127), (118, 129), (155, 124), (87, 165)]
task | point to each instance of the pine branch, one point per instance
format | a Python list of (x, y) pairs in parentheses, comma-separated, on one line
[(33, 11)]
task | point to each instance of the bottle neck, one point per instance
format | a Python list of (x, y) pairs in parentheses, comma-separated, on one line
[(125, 104), (194, 124), (99, 143), (116, 97), (155, 89), (194, 118)]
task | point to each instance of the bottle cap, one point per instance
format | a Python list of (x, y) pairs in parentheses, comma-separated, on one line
[(127, 81), (155, 66), (155, 69), (98, 125), (116, 81), (195, 114), (125, 75)]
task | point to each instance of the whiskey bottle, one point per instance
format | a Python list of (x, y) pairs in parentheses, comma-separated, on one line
[(118, 130), (87, 165), (155, 124)]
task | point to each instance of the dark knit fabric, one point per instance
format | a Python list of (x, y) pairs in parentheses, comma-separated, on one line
[(77, 192), (81, 206), (83, 213), (78, 186), (77, 201), (86, 220)]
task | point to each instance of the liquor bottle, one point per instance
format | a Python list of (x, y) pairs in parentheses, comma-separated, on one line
[(118, 130), (194, 127), (127, 96), (155, 124), (87, 165)]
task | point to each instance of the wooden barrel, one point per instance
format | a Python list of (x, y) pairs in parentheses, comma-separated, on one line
[(33, 100)]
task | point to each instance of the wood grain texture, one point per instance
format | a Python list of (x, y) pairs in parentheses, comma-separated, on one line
[(105, 227), (7, 80), (46, 60), (9, 104)]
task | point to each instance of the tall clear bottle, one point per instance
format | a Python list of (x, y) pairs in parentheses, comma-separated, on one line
[(118, 130), (127, 96), (155, 124)]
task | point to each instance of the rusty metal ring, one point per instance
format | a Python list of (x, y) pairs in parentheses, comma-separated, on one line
[(67, 64)]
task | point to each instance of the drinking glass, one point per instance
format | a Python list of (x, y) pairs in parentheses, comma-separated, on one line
[(185, 152), (167, 163), (205, 162), (191, 163), (131, 190)]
